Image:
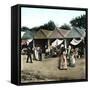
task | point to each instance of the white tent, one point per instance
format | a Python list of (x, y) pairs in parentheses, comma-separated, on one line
[(22, 33), (57, 42), (75, 42), (29, 40)]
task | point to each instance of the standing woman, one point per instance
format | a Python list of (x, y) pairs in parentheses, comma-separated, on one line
[(69, 54), (62, 59), (36, 53), (72, 58)]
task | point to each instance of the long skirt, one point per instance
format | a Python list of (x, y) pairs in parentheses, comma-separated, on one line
[(63, 62), (72, 61), (36, 55)]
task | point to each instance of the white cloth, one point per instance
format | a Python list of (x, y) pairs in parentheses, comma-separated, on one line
[(57, 42), (72, 59), (28, 41), (75, 42), (22, 33), (36, 54), (69, 48)]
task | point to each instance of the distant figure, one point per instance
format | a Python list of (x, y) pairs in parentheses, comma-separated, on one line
[(76, 53), (47, 53), (68, 54), (36, 53), (62, 59), (69, 49), (72, 58), (40, 54), (29, 55)]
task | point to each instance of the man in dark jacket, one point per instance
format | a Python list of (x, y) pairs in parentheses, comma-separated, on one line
[(29, 54)]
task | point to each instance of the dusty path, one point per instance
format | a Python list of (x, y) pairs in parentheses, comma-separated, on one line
[(47, 70)]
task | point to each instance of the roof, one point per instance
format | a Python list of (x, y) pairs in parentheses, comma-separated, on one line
[(57, 33), (81, 31), (40, 35), (27, 35), (64, 32), (47, 33), (73, 33), (76, 33)]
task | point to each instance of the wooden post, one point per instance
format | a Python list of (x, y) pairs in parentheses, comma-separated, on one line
[(34, 58), (48, 43), (84, 49), (33, 43), (65, 44)]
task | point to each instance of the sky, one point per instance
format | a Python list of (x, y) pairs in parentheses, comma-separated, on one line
[(34, 17)]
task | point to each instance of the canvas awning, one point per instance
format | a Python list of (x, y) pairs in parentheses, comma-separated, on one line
[(57, 42), (27, 35), (29, 40), (47, 34), (57, 33), (73, 33), (76, 33), (75, 42), (64, 32), (81, 31), (39, 35), (22, 33)]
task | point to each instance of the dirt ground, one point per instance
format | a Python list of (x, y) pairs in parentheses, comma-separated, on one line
[(47, 70)]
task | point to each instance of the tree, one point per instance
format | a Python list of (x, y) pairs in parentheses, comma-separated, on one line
[(65, 26), (34, 29), (49, 26), (79, 21), (24, 28)]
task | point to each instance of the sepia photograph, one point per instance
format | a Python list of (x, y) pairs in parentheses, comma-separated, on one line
[(53, 44)]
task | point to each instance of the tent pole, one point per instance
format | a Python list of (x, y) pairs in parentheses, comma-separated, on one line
[(48, 43), (34, 58), (65, 43), (33, 43), (84, 48)]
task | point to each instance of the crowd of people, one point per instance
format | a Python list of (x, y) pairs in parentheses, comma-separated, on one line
[(67, 57), (37, 54)]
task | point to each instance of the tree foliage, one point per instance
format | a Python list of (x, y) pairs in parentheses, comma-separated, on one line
[(66, 27), (79, 21), (49, 26), (24, 28)]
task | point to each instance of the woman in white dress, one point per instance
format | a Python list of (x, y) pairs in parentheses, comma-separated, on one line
[(36, 53), (62, 59)]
